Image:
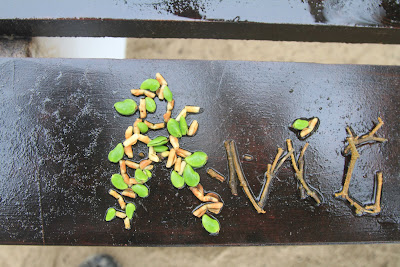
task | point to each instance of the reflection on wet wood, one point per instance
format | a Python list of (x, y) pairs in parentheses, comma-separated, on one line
[(355, 21)]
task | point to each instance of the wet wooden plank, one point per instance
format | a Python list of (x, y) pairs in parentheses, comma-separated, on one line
[(313, 20), (68, 106)]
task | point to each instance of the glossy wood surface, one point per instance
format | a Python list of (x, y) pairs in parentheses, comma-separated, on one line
[(371, 21), (58, 125)]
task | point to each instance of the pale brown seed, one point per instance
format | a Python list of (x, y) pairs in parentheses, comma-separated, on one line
[(132, 181), (161, 93), (193, 128), (174, 141), (122, 166), (128, 132), (129, 193), (171, 157), (131, 140), (183, 165), (305, 132), (170, 105), (144, 163), (167, 116), (127, 223), (126, 178), (165, 154), (120, 215), (128, 151), (131, 164), (136, 129), (183, 153), (312, 123), (154, 157), (178, 162), (139, 92), (114, 193), (144, 138), (149, 167), (121, 203), (192, 109), (149, 94), (161, 79), (181, 114), (142, 108)]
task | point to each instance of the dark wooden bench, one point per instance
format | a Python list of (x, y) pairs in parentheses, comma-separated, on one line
[(58, 125)]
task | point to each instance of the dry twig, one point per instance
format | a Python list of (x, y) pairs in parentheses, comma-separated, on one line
[(242, 179), (232, 173), (299, 170), (344, 193), (271, 172)]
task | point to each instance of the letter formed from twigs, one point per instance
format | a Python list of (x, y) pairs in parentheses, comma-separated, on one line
[(353, 142), (299, 170), (271, 172)]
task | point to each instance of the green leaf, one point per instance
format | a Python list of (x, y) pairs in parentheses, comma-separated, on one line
[(197, 159), (110, 214), (210, 224), (158, 141), (116, 154), (300, 124), (174, 128), (150, 84), (183, 125), (142, 127), (140, 190), (148, 173), (140, 176), (129, 210), (177, 180), (191, 177), (160, 149), (126, 107), (150, 104), (167, 94), (118, 182)]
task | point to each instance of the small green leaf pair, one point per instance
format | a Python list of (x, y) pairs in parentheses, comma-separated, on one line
[(129, 210), (158, 141), (190, 177)]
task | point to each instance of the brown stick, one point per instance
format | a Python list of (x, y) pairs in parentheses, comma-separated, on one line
[(214, 174), (358, 141), (242, 179), (232, 173), (299, 170), (271, 172), (344, 193)]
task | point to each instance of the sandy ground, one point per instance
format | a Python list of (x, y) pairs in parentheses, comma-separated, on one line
[(326, 255)]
